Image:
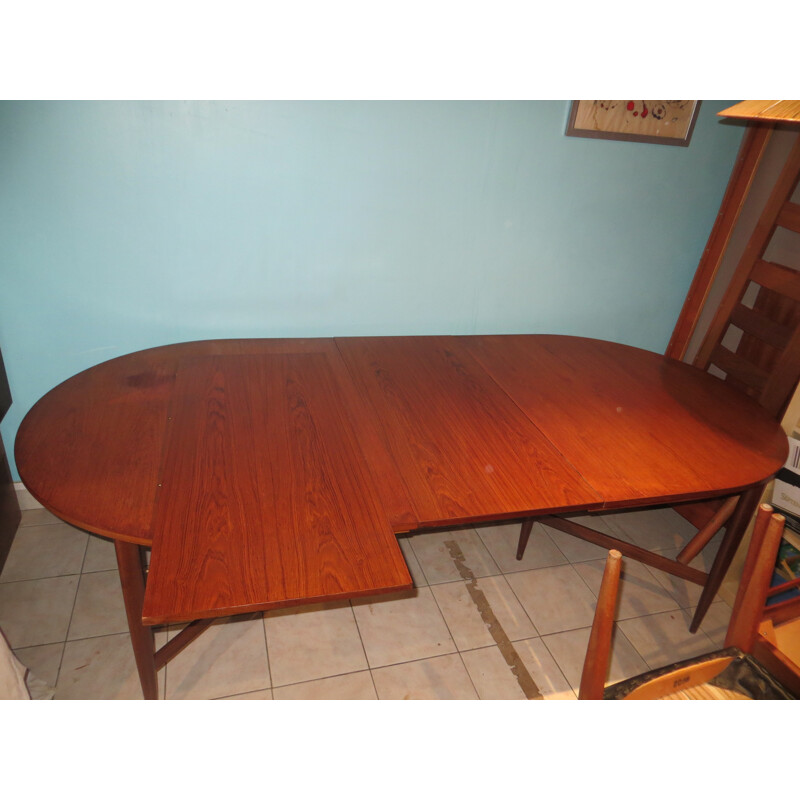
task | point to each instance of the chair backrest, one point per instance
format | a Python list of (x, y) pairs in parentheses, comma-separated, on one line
[(763, 303)]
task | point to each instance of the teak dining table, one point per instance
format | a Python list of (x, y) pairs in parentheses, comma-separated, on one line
[(266, 473)]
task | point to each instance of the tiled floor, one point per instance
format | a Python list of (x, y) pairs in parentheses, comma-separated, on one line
[(61, 609)]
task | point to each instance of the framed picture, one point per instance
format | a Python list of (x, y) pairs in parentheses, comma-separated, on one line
[(654, 121)]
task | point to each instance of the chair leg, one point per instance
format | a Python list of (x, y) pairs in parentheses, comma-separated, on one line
[(598, 653), (734, 532), (752, 595), (524, 535), (708, 531), (131, 574)]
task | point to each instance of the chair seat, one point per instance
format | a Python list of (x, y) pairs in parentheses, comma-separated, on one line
[(726, 674)]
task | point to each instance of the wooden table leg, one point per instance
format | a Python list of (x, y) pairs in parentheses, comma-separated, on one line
[(131, 574), (524, 535), (734, 531)]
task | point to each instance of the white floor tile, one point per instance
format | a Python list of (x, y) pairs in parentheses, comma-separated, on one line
[(313, 642), (101, 668), (99, 606), (663, 639), (403, 627), (569, 651), (640, 592), (37, 612), (442, 678), (555, 598), (45, 551), (501, 541), (230, 657)]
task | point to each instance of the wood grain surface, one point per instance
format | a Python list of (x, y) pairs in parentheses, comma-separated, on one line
[(465, 451), (265, 498)]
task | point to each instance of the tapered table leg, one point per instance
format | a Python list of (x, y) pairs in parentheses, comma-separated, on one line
[(131, 574), (734, 531), (524, 535)]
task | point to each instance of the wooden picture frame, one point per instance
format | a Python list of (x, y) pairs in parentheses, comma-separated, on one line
[(654, 121)]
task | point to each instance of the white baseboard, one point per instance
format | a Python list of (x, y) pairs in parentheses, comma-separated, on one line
[(25, 498)]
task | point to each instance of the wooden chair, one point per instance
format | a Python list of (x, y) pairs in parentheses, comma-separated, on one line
[(761, 658), (753, 343)]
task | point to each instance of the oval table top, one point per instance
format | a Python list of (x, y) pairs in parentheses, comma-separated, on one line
[(331, 445)]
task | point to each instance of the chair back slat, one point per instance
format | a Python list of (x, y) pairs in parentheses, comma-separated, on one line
[(778, 278), (745, 373), (762, 327), (789, 217), (783, 612)]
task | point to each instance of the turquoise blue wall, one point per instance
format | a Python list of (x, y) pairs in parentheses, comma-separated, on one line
[(130, 224)]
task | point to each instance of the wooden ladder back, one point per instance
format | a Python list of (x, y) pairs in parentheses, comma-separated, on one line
[(766, 361)]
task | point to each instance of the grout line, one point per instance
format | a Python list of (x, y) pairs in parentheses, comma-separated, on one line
[(326, 677), (266, 650), (85, 553), (469, 674), (244, 694), (363, 646)]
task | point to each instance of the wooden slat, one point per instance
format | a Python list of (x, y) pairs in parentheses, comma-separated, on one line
[(790, 217), (783, 587), (737, 367), (760, 326), (783, 612), (778, 278), (782, 382)]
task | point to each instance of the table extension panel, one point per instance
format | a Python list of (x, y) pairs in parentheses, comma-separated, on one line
[(464, 449), (269, 501)]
